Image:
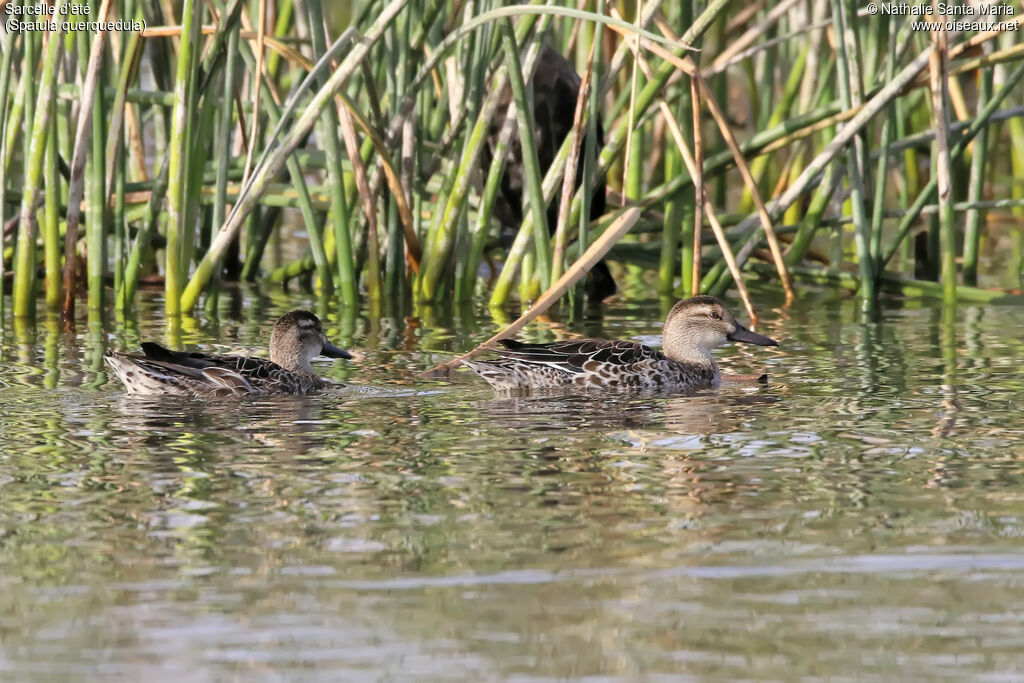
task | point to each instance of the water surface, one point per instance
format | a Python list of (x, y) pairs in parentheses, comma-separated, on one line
[(858, 517)]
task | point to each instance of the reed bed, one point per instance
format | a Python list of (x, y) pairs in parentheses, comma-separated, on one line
[(813, 143)]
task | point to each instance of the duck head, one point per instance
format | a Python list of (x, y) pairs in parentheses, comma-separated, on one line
[(297, 339), (696, 326)]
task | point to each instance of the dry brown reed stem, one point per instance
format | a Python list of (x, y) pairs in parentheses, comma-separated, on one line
[(918, 81), (632, 102), (748, 179), (695, 172), (283, 49), (258, 76), (167, 7), (117, 117), (657, 145), (1009, 54), (76, 185), (939, 78), (742, 17), (348, 134), (719, 67), (698, 186), (957, 99), (753, 33), (973, 42), (138, 151), (687, 65), (405, 188), (569, 177), (843, 137), (723, 243), (278, 156), (787, 168), (414, 251), (574, 33), (618, 60), (594, 253), (456, 86)]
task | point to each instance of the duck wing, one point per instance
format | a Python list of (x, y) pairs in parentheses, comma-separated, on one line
[(580, 355), (247, 367), (229, 382)]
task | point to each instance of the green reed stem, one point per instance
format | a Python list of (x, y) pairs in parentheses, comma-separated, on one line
[(590, 150), (120, 228), (36, 144), (973, 219), (51, 218), (130, 58), (24, 253), (678, 213), (882, 170), (6, 68), (531, 165), (222, 152), (16, 113), (781, 109), (255, 246), (394, 262), (175, 270), (812, 218), (327, 132), (850, 93), (1016, 128), (86, 180), (131, 53), (96, 220), (470, 244), (285, 16), (126, 294), (466, 273)]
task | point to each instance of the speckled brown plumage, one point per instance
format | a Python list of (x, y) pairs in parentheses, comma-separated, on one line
[(693, 327)]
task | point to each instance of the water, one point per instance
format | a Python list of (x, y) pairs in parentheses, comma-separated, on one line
[(857, 518)]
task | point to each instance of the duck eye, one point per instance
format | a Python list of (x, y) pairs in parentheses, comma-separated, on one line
[(715, 315)]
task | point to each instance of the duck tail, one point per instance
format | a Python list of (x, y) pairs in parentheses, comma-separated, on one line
[(497, 375)]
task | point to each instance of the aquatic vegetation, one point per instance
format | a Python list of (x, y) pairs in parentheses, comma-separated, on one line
[(352, 147)]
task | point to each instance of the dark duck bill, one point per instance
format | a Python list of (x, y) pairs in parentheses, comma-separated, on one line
[(742, 334), (332, 351)]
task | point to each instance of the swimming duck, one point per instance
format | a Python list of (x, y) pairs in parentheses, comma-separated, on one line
[(692, 329), (297, 338)]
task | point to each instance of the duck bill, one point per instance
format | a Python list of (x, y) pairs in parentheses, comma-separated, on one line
[(332, 351), (742, 334)]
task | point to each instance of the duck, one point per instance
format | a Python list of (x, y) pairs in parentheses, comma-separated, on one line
[(296, 339), (693, 328)]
